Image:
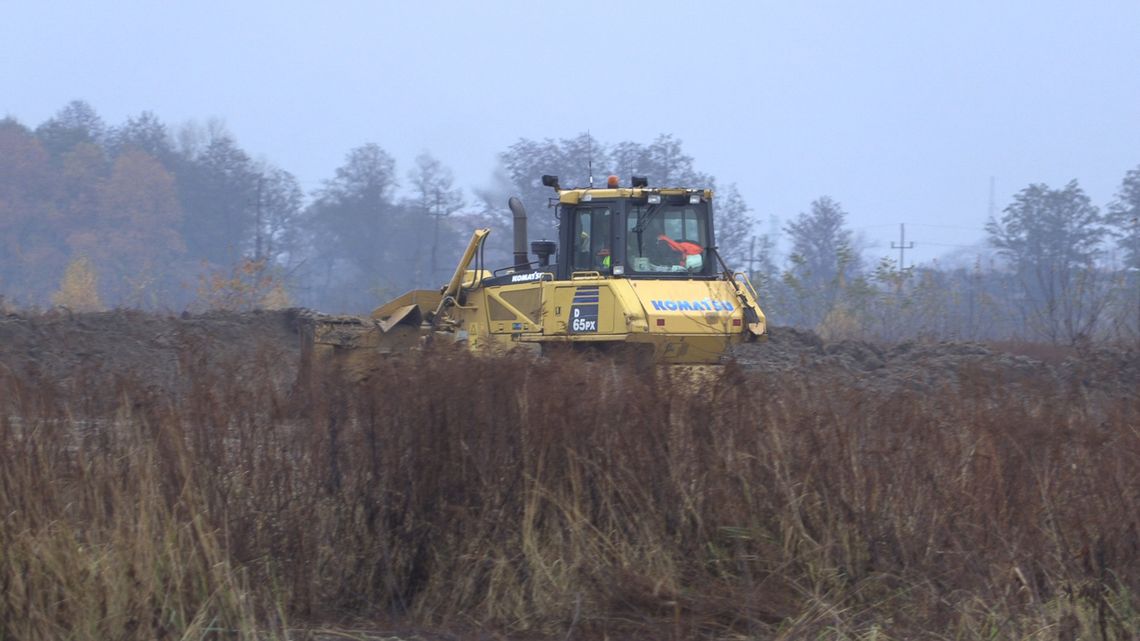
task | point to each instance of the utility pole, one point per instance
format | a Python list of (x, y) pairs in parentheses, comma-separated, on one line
[(435, 234), (993, 202), (752, 259), (902, 246)]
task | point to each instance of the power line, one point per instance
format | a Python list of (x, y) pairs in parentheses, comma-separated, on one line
[(977, 229), (974, 246)]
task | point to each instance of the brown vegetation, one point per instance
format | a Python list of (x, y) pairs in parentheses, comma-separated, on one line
[(249, 285), (569, 498)]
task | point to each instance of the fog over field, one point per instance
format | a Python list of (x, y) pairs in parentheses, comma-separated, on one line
[(262, 116)]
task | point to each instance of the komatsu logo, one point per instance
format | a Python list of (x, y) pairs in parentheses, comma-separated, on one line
[(706, 305), (526, 278)]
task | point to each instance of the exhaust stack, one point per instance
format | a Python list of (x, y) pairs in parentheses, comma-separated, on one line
[(521, 257)]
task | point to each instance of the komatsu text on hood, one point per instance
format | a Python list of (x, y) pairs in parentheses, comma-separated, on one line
[(704, 305)]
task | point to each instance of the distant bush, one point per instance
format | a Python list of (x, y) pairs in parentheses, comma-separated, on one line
[(250, 284)]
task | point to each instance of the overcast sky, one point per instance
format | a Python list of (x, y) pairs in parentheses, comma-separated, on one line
[(901, 111)]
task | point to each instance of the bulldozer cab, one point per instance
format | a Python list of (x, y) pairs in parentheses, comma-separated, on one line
[(636, 233)]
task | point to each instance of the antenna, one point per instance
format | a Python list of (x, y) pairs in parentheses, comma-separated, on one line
[(590, 157)]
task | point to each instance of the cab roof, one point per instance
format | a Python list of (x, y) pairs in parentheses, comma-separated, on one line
[(574, 196)]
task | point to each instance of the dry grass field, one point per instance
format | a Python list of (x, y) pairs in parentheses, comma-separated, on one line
[(167, 478)]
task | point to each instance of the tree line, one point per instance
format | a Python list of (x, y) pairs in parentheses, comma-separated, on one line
[(144, 215), (1062, 271)]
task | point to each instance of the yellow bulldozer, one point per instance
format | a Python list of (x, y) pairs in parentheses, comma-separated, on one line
[(635, 272)]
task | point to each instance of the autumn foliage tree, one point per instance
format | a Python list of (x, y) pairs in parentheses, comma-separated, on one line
[(127, 204), (250, 284), (138, 235), (33, 252), (79, 290)]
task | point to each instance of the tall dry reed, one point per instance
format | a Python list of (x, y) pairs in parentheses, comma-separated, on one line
[(566, 497)]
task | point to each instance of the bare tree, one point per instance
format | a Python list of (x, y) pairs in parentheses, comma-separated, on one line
[(570, 159), (823, 260), (1052, 239), (734, 227), (76, 123), (435, 197), (353, 223), (1124, 216)]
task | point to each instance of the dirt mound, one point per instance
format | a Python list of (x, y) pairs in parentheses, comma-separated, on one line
[(63, 348), (923, 366)]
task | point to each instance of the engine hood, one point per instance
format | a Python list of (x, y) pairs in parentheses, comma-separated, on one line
[(692, 306)]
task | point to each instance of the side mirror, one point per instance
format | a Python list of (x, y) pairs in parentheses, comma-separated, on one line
[(550, 181)]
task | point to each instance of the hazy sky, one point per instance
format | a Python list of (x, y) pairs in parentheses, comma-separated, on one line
[(901, 111)]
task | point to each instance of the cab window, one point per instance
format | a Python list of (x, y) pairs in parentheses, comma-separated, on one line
[(668, 238), (592, 235)]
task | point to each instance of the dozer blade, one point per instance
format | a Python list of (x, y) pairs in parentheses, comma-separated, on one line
[(406, 315), (355, 347), (354, 344), (425, 299)]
